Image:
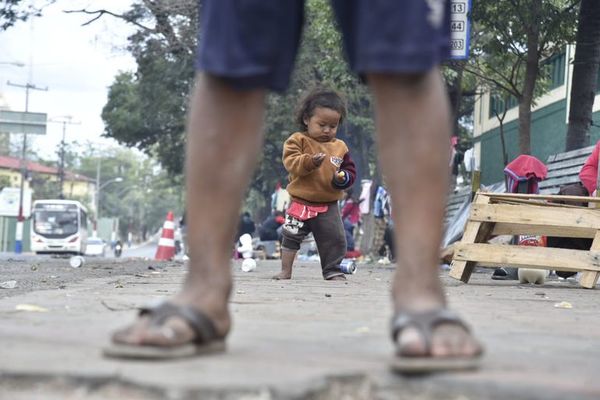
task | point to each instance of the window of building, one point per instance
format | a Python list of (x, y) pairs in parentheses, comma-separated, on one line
[(555, 68), (498, 104)]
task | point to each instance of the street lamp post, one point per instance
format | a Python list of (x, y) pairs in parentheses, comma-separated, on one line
[(64, 120), (21, 217)]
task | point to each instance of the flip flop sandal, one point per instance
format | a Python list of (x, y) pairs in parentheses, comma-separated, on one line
[(336, 277), (425, 323), (206, 341)]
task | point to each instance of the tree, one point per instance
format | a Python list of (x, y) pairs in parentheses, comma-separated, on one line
[(147, 109), (140, 201), (500, 115), (20, 10), (462, 90), (5, 181), (585, 75), (512, 39)]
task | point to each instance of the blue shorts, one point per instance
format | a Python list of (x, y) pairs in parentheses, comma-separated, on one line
[(253, 43)]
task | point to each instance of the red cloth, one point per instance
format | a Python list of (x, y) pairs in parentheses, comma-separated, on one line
[(351, 210), (303, 212), (589, 171), (353, 254), (527, 167)]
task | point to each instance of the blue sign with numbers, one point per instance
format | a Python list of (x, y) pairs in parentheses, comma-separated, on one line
[(460, 29)]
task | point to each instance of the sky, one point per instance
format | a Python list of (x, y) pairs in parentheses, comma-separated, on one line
[(75, 63)]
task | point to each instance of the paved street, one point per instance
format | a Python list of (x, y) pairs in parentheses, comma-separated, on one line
[(302, 339)]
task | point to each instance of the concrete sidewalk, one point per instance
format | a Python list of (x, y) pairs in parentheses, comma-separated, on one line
[(301, 339)]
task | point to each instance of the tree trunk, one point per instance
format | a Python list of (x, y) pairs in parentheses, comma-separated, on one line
[(362, 157), (456, 99), (503, 142), (531, 73), (585, 75), (500, 119)]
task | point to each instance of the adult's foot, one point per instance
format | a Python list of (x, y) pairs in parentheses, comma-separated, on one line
[(336, 278), (176, 331), (436, 333)]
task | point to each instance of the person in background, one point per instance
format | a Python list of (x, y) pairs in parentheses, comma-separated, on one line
[(270, 227), (381, 214), (351, 220), (588, 176), (246, 225), (396, 47)]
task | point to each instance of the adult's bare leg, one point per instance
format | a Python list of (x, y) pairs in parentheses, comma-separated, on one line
[(413, 126), (223, 141)]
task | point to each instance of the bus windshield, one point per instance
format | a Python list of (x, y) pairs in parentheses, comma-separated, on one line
[(56, 221)]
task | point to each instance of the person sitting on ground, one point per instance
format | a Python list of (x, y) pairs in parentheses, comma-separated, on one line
[(320, 169), (388, 240), (401, 65), (381, 214), (586, 186), (270, 227), (351, 220)]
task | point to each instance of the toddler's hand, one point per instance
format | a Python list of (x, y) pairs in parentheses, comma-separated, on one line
[(318, 159)]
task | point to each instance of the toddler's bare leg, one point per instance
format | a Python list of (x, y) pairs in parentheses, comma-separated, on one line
[(287, 262)]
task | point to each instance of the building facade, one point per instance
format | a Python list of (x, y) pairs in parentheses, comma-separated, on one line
[(549, 121), (75, 186)]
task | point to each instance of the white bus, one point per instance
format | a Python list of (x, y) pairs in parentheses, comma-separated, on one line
[(58, 227)]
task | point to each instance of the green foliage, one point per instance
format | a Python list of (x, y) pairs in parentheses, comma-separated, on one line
[(502, 36), (5, 181), (44, 186), (140, 201), (147, 109), (511, 41), (12, 11)]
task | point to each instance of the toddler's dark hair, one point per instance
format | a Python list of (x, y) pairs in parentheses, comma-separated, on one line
[(320, 97)]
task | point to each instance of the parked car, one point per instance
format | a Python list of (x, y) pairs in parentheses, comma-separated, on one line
[(95, 247)]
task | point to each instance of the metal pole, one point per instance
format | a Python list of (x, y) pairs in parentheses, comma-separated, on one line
[(61, 171), (64, 120), (98, 190), (21, 217), (97, 197)]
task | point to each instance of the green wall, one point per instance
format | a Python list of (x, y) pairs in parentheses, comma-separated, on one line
[(548, 132), (8, 228), (106, 227)]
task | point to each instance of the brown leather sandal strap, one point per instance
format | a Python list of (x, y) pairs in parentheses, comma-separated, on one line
[(425, 323), (204, 329)]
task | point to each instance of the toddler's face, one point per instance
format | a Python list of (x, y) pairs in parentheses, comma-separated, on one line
[(322, 125)]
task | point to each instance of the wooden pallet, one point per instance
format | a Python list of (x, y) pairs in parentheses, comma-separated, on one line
[(528, 214)]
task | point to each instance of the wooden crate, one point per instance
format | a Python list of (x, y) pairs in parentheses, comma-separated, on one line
[(528, 214)]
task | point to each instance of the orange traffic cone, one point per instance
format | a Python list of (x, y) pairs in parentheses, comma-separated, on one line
[(166, 243)]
